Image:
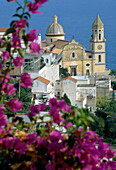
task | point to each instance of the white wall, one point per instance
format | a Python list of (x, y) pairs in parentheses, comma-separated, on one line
[(50, 72), (85, 91), (38, 86), (69, 87)]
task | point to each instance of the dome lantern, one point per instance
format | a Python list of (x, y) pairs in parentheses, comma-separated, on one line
[(54, 31)]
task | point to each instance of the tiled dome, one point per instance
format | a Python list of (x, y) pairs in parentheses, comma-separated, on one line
[(54, 28)]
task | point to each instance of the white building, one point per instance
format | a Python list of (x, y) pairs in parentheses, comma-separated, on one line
[(41, 86)]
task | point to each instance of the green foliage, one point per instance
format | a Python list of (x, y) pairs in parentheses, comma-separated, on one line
[(63, 72), (67, 100), (113, 84), (113, 72)]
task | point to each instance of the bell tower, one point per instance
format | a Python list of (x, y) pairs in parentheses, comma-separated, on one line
[(97, 45)]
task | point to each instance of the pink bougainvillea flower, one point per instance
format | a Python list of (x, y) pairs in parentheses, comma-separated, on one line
[(36, 109), (8, 88), (33, 7), (10, 0), (66, 108), (68, 125), (6, 55), (41, 142), (1, 65), (16, 42), (5, 78), (18, 61), (26, 80), (31, 138), (41, 1), (31, 36), (19, 146), (34, 47), (15, 105), (2, 116), (1, 42), (20, 24)]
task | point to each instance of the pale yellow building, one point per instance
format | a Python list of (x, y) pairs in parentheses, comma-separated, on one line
[(73, 55)]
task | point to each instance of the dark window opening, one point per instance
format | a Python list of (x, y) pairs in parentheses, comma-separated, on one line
[(46, 60), (73, 71), (99, 36), (90, 56), (99, 58), (87, 64), (58, 93), (51, 40), (73, 54), (87, 72)]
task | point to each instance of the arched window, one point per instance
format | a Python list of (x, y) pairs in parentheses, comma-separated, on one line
[(99, 58), (87, 64), (73, 54), (87, 72), (99, 36)]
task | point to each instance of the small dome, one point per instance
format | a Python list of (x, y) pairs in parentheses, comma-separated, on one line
[(54, 28)]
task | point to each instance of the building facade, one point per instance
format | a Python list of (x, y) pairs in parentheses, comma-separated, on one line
[(74, 56)]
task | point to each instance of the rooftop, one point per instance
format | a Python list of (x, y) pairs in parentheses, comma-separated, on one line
[(70, 78), (43, 80)]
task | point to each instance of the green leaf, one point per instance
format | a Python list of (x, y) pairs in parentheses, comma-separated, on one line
[(70, 129), (25, 2), (84, 128), (21, 52), (3, 45), (79, 122), (26, 13), (17, 15), (25, 41), (88, 118), (25, 17), (27, 24), (18, 8), (10, 30), (12, 23)]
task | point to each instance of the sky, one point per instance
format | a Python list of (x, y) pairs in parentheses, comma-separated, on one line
[(76, 17)]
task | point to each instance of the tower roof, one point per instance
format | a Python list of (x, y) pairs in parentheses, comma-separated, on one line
[(97, 23), (54, 28)]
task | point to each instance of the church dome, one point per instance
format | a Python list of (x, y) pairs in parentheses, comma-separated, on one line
[(55, 28)]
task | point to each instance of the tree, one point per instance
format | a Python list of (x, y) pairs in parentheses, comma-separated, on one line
[(63, 72), (67, 100)]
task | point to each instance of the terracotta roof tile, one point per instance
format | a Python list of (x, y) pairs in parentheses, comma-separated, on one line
[(56, 51), (60, 43), (3, 29), (43, 80), (70, 78)]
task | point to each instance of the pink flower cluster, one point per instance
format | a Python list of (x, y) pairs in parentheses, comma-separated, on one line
[(26, 80), (33, 7)]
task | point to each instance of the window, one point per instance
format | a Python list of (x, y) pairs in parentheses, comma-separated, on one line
[(46, 60), (90, 56), (51, 40), (87, 64), (99, 36), (73, 54), (87, 72), (58, 93), (99, 58), (73, 71)]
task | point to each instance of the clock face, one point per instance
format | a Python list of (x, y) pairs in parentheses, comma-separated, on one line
[(99, 47)]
